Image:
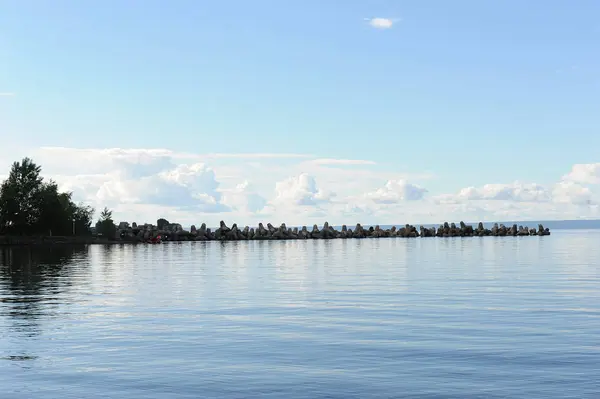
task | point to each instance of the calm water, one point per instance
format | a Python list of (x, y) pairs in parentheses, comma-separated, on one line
[(421, 318)]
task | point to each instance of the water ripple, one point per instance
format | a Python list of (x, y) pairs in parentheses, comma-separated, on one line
[(455, 318)]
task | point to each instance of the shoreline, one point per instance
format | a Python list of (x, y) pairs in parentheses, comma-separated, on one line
[(224, 233), (16, 241)]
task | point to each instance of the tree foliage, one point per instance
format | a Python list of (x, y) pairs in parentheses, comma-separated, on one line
[(105, 225), (31, 206)]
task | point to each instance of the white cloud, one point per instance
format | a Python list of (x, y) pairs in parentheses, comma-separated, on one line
[(244, 198), (521, 192), (561, 192), (197, 177), (131, 162), (7, 94), (300, 190), (572, 193), (184, 186), (396, 191), (584, 173), (381, 23), (525, 201), (144, 184)]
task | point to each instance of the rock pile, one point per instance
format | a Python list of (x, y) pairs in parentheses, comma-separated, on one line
[(270, 232), (501, 230)]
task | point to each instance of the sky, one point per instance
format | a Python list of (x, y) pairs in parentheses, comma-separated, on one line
[(308, 111)]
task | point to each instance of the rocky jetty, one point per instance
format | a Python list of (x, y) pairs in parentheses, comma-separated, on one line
[(270, 232), (497, 230)]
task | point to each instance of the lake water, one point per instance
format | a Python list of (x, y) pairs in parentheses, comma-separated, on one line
[(495, 317)]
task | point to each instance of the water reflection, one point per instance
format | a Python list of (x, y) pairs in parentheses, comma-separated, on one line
[(32, 281), (462, 318)]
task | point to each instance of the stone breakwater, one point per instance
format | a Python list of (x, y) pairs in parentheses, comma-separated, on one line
[(270, 232)]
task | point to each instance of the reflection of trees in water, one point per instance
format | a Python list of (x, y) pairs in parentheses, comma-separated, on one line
[(32, 281)]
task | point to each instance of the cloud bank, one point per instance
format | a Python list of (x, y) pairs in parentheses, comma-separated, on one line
[(142, 185)]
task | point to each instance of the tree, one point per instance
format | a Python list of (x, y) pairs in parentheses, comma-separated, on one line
[(55, 211), (106, 214), (106, 225), (20, 198), (83, 215), (60, 215), (29, 205)]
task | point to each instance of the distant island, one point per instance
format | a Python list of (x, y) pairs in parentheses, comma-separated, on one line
[(34, 211)]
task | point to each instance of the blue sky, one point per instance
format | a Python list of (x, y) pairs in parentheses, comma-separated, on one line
[(473, 92)]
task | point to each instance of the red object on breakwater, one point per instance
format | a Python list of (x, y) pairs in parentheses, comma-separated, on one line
[(155, 240)]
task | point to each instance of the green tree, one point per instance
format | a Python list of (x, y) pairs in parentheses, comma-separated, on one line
[(106, 214), (83, 215), (20, 198), (61, 216), (29, 205), (55, 211), (106, 225)]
